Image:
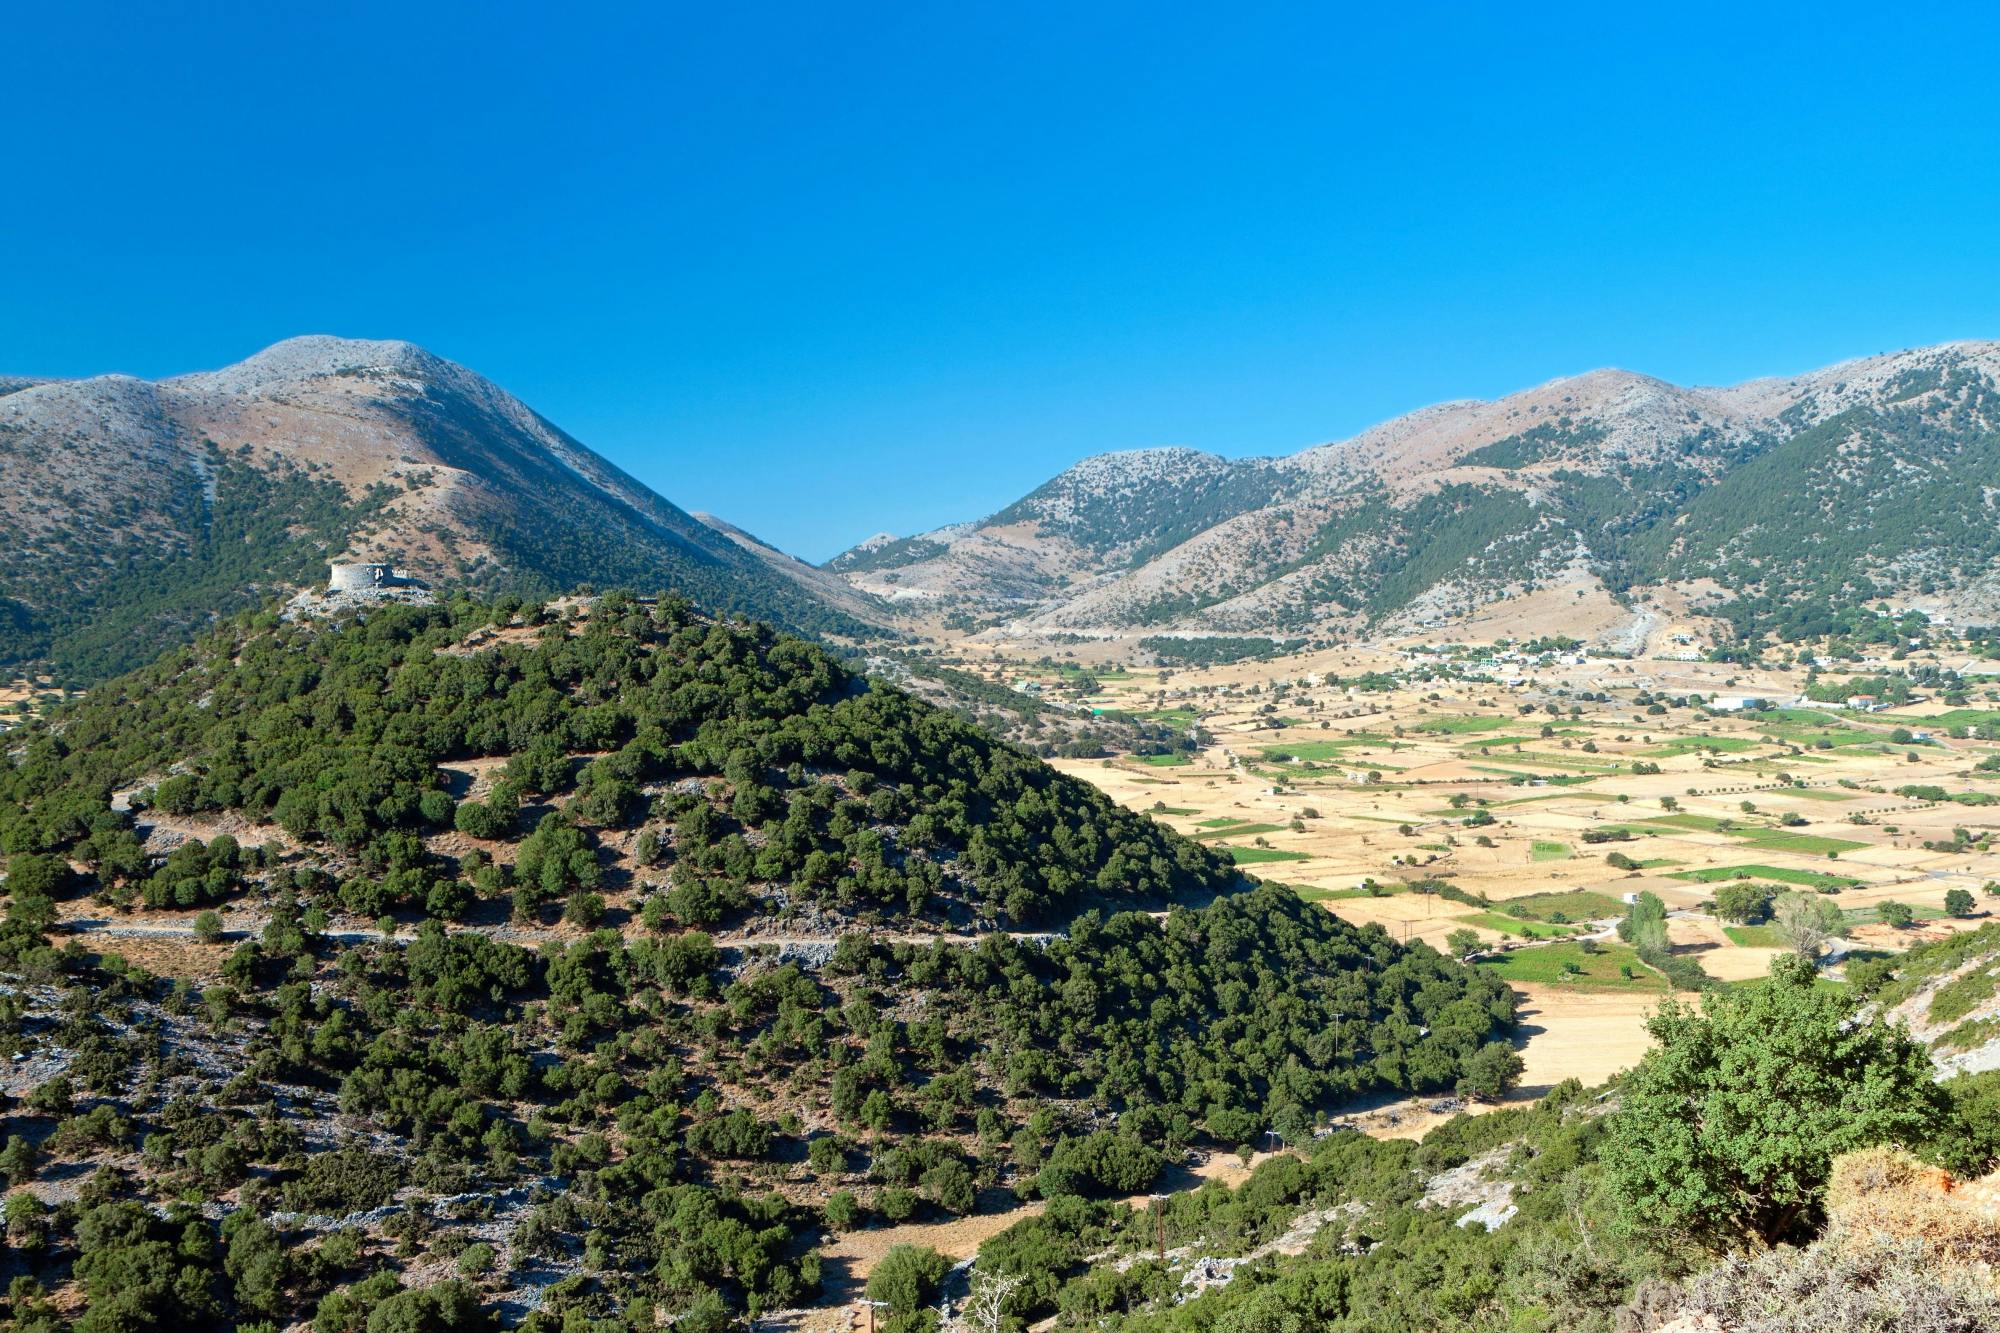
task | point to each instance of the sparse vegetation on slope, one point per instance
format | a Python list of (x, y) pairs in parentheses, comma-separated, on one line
[(572, 1079), (141, 514)]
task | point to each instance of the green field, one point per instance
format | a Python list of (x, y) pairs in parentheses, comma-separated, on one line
[(1319, 750), (1552, 795), (1573, 905), (1486, 742), (1807, 844), (1549, 851), (1696, 744), (1655, 862), (1238, 831), (1181, 810), (1698, 823), (1835, 736), (1464, 724), (1165, 760), (1814, 716), (1173, 717), (1810, 879), (1251, 856), (1755, 937), (1553, 779), (1817, 793), (1957, 717), (1507, 925), (1597, 971), (1769, 839)]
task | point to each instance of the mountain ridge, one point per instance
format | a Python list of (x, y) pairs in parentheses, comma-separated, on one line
[(152, 508), (1430, 515)]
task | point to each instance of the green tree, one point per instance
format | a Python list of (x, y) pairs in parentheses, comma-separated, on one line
[(1463, 942), (1726, 1128), (907, 1278), (1899, 915), (1741, 900), (1491, 1072), (1806, 921), (451, 1306), (1958, 902)]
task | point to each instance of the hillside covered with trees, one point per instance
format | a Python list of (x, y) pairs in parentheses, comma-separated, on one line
[(593, 961), (1777, 1164)]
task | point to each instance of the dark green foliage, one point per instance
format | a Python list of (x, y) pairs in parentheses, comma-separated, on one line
[(226, 536), (1214, 649), (1727, 1128), (620, 1091), (907, 1278), (338, 736), (1225, 1008), (1549, 441), (1394, 1266), (145, 1272), (1102, 1163)]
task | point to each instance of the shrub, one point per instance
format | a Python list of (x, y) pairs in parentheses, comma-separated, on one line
[(907, 1278)]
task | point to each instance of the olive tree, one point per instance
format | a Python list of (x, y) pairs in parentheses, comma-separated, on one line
[(1727, 1128), (1806, 922)]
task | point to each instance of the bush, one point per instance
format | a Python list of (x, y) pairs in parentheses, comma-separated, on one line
[(907, 1278), (1806, 1082), (842, 1210), (1104, 1162), (1493, 1071)]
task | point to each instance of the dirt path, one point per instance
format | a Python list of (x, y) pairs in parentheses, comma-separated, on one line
[(86, 918), (852, 1256)]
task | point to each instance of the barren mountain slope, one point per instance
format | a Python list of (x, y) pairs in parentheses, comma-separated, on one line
[(145, 510), (1598, 482)]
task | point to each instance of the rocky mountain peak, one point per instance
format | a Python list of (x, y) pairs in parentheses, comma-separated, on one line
[(301, 360)]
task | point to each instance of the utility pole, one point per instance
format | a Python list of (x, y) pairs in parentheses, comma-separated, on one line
[(1160, 1219)]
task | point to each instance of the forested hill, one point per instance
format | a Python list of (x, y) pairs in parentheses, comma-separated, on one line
[(750, 771), (593, 960), (139, 513)]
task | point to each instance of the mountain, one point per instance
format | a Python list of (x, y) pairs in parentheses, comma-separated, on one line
[(587, 963), (140, 512), (1872, 478)]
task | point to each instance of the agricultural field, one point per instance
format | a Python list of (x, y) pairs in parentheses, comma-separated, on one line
[(1545, 802)]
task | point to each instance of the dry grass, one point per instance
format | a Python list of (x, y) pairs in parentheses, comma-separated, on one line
[(1887, 1195)]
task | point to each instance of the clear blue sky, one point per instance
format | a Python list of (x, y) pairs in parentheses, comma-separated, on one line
[(826, 269)]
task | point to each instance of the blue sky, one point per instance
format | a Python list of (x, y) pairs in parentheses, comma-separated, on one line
[(828, 269)]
